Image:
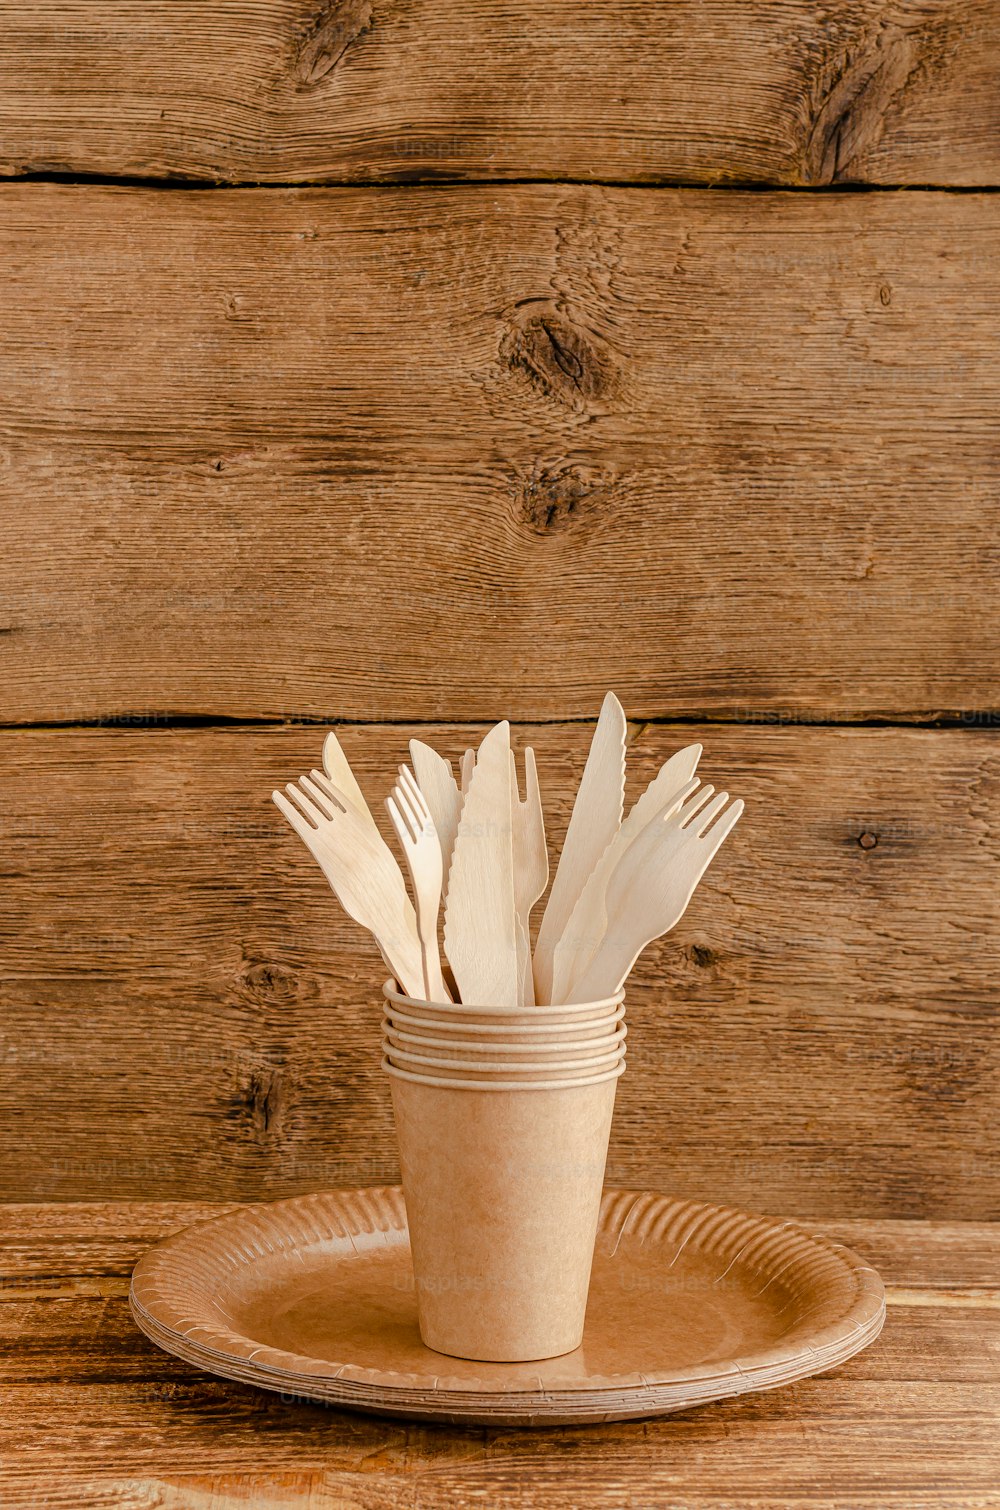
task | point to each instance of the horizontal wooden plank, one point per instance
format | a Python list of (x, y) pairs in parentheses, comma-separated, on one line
[(818, 1445), (73, 1242), (723, 91), (187, 1014), (927, 1256), (96, 1416), (48, 1339), (470, 453)]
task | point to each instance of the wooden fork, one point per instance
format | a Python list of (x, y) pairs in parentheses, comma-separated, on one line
[(441, 794), (589, 919), (361, 869), (652, 885), (414, 825)]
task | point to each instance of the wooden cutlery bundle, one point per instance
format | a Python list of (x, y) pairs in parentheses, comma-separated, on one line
[(477, 861)]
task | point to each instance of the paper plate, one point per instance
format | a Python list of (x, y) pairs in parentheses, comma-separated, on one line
[(313, 1297)]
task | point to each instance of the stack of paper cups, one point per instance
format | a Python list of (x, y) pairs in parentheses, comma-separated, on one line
[(503, 1118)]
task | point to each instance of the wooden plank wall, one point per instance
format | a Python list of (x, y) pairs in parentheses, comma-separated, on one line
[(388, 441), (698, 91)]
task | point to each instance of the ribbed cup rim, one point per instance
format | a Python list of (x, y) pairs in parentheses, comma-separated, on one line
[(477, 1029), (402, 1059), (529, 1014), (490, 1045), (503, 1085)]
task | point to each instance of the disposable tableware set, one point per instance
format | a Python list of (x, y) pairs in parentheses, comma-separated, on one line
[(465, 1296)]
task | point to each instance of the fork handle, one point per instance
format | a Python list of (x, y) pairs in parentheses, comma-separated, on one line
[(430, 955), (608, 969), (402, 949)]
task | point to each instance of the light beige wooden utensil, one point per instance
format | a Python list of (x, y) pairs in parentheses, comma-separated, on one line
[(442, 795), (596, 818), (361, 869), (531, 863), (653, 882), (480, 924), (338, 769), (467, 765), (411, 818), (588, 921), (525, 981), (662, 791)]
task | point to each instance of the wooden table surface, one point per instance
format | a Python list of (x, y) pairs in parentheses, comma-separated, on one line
[(94, 1415)]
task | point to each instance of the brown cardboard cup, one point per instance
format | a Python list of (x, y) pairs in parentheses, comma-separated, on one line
[(502, 1190)]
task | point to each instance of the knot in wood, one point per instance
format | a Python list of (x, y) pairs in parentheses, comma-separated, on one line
[(855, 91), (268, 984), (264, 1098), (702, 956), (554, 499), (325, 41), (559, 357)]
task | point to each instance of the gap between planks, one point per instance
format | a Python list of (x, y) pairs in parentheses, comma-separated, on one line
[(747, 186), (984, 720)]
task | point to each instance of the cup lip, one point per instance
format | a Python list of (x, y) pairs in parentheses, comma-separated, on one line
[(491, 1045), (475, 1028), (503, 1085), (401, 1059), (391, 993)]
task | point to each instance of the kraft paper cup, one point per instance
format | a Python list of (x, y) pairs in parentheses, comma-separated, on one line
[(458, 1069), (503, 1191), (475, 1052)]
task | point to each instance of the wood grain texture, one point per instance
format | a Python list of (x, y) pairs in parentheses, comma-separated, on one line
[(470, 453), (187, 1013), (93, 1417), (720, 91)]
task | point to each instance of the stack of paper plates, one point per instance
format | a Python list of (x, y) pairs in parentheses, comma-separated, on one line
[(314, 1297)]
